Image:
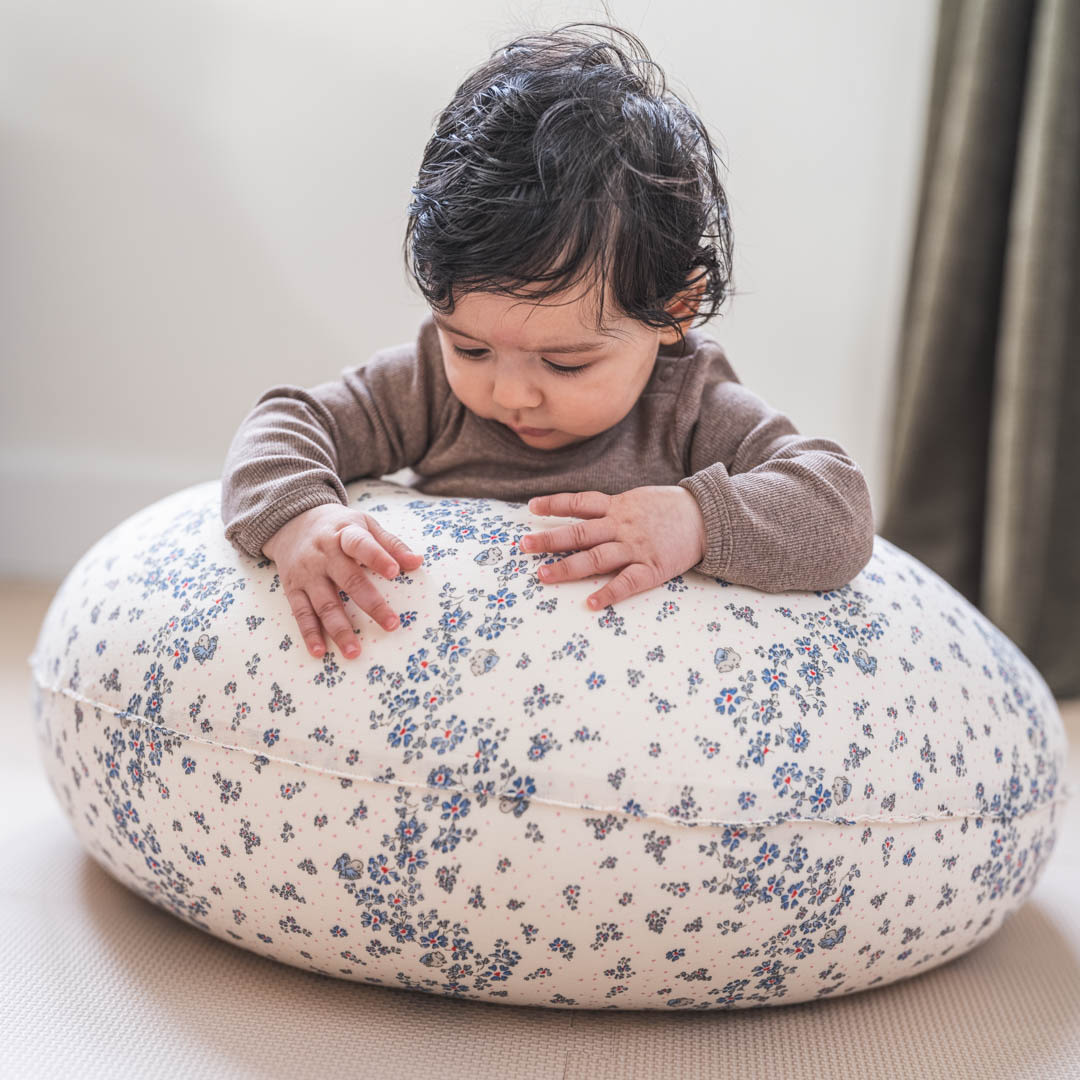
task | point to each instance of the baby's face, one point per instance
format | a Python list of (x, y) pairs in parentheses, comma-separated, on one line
[(511, 345)]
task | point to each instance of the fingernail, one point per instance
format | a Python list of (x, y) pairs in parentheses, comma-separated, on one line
[(351, 650), (390, 622)]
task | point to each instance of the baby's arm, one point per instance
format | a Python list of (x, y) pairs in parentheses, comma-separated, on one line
[(782, 511), (297, 448)]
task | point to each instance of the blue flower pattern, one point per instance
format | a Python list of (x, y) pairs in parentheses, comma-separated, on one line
[(706, 797)]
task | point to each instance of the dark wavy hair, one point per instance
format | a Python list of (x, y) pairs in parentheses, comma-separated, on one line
[(564, 157)]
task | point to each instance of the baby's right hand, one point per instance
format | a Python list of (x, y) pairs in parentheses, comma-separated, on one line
[(325, 549)]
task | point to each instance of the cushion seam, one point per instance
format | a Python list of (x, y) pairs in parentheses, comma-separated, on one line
[(1059, 797)]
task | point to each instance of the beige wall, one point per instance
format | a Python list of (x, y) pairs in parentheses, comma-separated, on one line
[(201, 199)]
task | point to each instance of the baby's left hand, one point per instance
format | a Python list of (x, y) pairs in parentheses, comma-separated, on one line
[(651, 533)]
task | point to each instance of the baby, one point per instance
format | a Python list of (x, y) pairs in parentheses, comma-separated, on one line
[(567, 227)]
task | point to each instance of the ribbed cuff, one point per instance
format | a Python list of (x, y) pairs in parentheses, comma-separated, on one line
[(278, 513), (718, 537)]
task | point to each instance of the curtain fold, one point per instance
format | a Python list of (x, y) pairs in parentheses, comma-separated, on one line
[(984, 477)]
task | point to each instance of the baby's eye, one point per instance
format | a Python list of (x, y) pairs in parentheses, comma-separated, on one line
[(475, 354), (566, 370)]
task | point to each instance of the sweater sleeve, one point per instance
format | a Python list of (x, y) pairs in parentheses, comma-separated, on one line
[(297, 447), (782, 511)]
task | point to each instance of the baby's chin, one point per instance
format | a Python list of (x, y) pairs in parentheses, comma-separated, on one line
[(554, 440)]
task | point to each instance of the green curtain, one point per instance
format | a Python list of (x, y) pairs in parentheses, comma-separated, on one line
[(984, 478)]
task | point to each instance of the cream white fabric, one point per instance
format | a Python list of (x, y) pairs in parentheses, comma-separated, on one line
[(704, 798)]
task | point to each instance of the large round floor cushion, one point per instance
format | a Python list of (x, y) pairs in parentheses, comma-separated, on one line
[(706, 796)]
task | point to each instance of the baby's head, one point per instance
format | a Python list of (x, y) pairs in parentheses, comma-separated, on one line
[(567, 220)]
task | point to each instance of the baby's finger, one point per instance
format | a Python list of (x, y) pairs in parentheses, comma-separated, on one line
[(397, 547), (327, 606), (362, 591), (359, 544), (582, 504), (578, 535), (306, 620), (537, 541), (633, 579), (602, 559)]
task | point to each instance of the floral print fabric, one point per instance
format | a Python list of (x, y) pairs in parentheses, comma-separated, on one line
[(703, 797)]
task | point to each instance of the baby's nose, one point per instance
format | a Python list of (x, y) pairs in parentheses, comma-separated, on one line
[(516, 395)]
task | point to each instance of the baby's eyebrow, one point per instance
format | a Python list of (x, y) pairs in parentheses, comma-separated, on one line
[(578, 347)]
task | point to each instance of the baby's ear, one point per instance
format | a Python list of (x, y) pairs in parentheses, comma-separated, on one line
[(685, 306)]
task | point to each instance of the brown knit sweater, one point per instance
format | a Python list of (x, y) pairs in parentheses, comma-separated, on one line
[(782, 511)]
